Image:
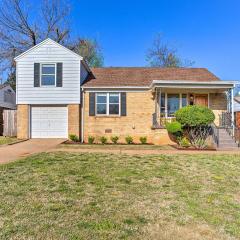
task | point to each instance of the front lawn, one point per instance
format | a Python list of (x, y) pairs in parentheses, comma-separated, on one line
[(96, 196), (7, 140)]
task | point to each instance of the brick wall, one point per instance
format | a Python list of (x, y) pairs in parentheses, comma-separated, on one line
[(218, 103), (23, 121), (137, 123), (74, 119)]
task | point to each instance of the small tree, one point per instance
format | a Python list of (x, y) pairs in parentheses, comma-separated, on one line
[(196, 121)]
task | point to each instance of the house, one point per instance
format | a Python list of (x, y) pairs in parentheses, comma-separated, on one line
[(7, 101), (237, 111), (58, 94)]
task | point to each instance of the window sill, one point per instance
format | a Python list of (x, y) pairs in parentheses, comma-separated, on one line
[(107, 116)]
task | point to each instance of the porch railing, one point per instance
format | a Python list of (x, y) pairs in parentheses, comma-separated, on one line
[(215, 134), (160, 122), (225, 121)]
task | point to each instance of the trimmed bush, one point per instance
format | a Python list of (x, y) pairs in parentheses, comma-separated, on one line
[(174, 127), (192, 116), (129, 140), (91, 139), (184, 142), (103, 140), (74, 137), (114, 139), (143, 140)]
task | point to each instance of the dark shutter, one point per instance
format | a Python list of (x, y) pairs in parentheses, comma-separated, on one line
[(123, 104), (91, 104), (59, 74), (36, 74)]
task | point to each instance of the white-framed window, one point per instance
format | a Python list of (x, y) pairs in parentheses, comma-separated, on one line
[(48, 74), (171, 102), (108, 103)]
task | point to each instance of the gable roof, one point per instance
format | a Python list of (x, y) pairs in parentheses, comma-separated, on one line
[(143, 76), (48, 40)]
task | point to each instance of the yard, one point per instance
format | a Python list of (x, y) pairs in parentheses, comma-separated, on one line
[(7, 140), (96, 196)]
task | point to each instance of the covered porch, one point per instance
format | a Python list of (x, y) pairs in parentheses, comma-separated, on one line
[(169, 96)]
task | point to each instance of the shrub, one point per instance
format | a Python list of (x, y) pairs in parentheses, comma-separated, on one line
[(192, 116), (129, 140), (91, 139), (103, 140), (174, 128), (143, 140), (184, 142), (114, 139), (74, 137)]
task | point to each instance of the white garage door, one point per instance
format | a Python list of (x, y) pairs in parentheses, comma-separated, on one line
[(49, 122)]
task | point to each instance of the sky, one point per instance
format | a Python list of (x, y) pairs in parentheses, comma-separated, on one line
[(204, 31)]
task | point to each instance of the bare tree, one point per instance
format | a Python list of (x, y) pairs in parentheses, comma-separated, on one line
[(162, 55), (19, 31), (90, 50)]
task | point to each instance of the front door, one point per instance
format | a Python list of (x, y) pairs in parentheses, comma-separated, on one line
[(201, 99)]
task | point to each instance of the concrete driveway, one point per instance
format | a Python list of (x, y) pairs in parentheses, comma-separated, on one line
[(12, 152)]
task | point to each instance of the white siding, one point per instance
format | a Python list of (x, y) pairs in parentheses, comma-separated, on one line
[(11, 99), (48, 52)]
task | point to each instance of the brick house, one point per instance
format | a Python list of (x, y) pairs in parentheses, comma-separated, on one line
[(58, 94)]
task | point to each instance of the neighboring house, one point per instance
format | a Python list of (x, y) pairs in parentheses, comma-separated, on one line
[(7, 97), (58, 95), (7, 101)]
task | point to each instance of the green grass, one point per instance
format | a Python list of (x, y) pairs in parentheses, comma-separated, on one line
[(96, 196), (7, 140)]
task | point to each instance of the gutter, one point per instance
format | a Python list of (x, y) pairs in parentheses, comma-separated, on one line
[(82, 116)]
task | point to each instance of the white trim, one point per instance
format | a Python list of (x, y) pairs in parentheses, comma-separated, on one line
[(220, 82), (82, 116), (107, 103), (43, 42), (118, 87), (48, 63)]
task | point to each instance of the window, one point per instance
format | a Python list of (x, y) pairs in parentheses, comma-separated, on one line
[(48, 74), (102, 103), (173, 104), (170, 103), (108, 103), (184, 100), (163, 105)]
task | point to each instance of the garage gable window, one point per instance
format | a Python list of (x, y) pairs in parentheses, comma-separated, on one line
[(108, 103), (48, 74)]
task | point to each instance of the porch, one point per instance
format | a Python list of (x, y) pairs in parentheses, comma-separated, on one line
[(173, 95)]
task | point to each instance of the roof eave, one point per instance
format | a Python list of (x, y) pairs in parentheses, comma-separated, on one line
[(192, 84), (40, 44)]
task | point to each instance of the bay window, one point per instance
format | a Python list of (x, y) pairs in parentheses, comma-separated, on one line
[(108, 103)]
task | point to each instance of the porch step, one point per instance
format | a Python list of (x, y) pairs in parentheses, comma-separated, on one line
[(226, 141)]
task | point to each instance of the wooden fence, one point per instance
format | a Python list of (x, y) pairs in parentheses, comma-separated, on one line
[(9, 123)]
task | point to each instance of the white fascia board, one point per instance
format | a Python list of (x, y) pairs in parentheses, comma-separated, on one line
[(115, 89), (192, 84), (43, 42)]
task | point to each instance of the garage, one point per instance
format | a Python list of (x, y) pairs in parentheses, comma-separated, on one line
[(49, 122)]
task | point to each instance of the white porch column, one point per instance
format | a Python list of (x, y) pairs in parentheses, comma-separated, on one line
[(232, 111)]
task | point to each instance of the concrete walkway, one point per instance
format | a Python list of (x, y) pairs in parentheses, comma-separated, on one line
[(10, 153)]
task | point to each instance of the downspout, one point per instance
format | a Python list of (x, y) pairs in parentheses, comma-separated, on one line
[(82, 116)]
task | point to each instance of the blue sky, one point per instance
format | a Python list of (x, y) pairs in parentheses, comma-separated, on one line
[(206, 31)]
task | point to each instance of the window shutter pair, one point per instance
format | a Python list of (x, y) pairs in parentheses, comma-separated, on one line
[(37, 74), (92, 100)]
